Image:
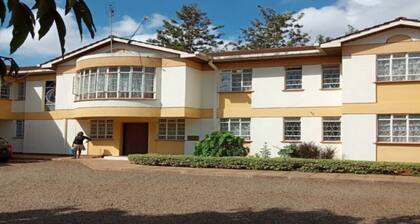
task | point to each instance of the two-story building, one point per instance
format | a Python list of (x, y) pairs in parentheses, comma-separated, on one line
[(358, 93)]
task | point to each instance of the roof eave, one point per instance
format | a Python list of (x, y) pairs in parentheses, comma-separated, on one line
[(268, 55)]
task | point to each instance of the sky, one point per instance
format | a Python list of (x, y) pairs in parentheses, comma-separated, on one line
[(327, 17)]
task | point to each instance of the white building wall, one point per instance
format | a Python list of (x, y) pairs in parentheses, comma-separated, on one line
[(173, 86), (269, 84), (359, 136), (64, 92), (196, 127), (193, 87), (44, 136), (359, 79), (8, 132), (383, 36), (270, 131), (34, 101), (209, 88)]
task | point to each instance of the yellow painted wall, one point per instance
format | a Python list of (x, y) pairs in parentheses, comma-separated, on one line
[(392, 97), (385, 48), (398, 153), (114, 146)]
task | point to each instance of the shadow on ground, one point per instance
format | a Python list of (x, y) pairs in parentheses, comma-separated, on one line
[(72, 215)]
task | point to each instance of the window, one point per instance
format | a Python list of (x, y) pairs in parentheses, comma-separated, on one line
[(398, 67), (331, 129), (115, 82), (330, 76), (20, 128), (399, 128), (49, 96), (292, 128), (293, 78), (101, 129), (21, 91), (171, 129), (236, 80), (237, 126), (5, 91)]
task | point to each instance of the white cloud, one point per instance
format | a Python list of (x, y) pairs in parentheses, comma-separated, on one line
[(332, 20), (49, 45)]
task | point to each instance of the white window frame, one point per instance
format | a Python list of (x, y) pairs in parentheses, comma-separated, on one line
[(226, 80), (20, 129), (288, 121), (392, 77), (4, 91), (21, 91), (241, 122), (163, 134), (392, 118), (108, 129), (328, 135), (328, 84), (83, 76), (289, 86)]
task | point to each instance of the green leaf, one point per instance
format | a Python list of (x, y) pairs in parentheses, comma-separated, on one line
[(14, 68), (61, 29), (3, 68), (45, 23), (69, 5), (82, 13), (23, 23), (2, 12)]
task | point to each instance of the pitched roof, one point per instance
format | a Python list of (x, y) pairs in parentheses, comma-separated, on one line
[(100, 43), (400, 21)]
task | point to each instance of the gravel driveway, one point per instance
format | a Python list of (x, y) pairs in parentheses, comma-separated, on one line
[(69, 192)]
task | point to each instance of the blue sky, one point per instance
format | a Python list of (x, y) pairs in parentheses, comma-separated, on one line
[(328, 17)]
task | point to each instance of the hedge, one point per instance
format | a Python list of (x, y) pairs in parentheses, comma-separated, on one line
[(279, 164)]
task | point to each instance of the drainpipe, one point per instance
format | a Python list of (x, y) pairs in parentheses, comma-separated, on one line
[(65, 135), (215, 99)]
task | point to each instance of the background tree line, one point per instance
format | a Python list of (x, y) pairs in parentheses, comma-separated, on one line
[(191, 30)]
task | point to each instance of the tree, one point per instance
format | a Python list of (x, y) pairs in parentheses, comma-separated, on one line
[(23, 21), (192, 31), (351, 29), (274, 30), (320, 39)]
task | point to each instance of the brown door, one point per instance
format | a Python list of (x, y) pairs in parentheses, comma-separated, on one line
[(136, 137)]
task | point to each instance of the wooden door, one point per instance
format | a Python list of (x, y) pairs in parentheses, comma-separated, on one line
[(136, 136)]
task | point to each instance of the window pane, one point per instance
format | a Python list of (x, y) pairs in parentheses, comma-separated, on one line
[(399, 130), (291, 128), (398, 67), (293, 78), (414, 67), (112, 82), (92, 85), (247, 80), (331, 129), (236, 81), (382, 67), (225, 81), (414, 130), (330, 77), (100, 85)]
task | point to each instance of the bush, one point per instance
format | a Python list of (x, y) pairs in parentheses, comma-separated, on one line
[(307, 150), (265, 151), (292, 164), (288, 151), (220, 144)]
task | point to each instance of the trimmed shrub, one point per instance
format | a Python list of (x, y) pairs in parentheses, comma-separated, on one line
[(307, 150), (220, 144), (292, 164)]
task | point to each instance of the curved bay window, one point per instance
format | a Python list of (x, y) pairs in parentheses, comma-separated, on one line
[(123, 82)]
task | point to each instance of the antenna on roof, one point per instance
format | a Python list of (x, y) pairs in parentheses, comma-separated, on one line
[(146, 18), (111, 12)]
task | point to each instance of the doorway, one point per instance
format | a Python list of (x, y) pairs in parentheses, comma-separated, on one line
[(136, 138)]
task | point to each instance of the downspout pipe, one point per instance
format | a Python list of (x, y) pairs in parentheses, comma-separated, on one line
[(215, 98)]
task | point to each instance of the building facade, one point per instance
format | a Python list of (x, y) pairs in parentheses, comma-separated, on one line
[(359, 94)]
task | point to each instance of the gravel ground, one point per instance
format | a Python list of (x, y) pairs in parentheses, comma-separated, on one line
[(69, 192)]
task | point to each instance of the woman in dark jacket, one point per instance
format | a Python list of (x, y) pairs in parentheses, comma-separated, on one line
[(78, 144)]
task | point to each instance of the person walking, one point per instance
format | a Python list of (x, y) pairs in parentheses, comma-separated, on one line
[(78, 144)]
